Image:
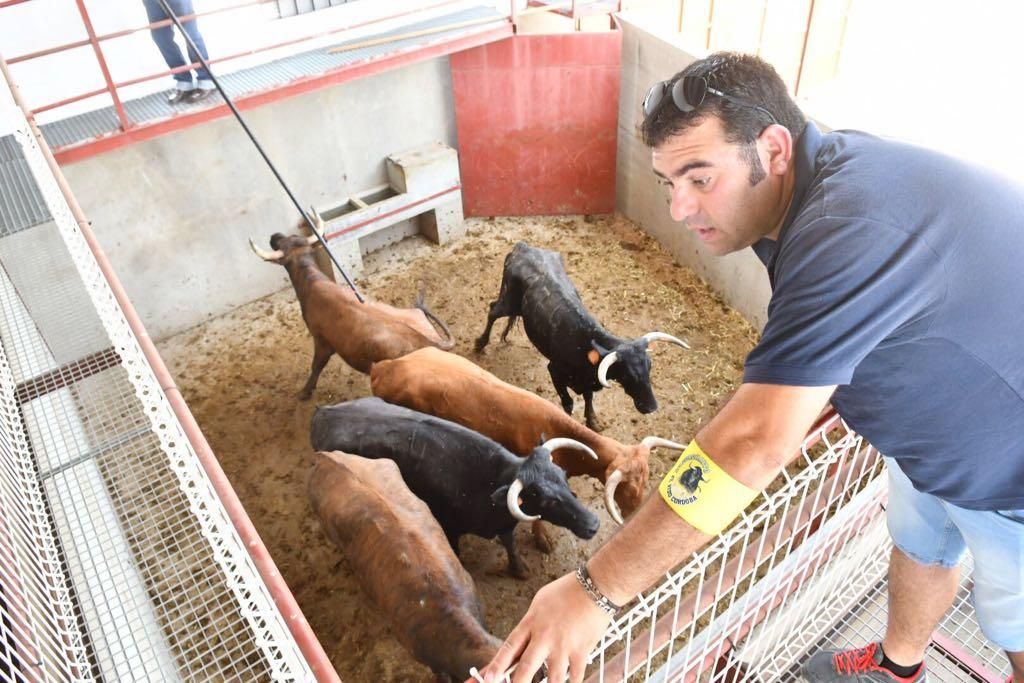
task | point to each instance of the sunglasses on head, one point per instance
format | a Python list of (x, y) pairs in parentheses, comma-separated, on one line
[(688, 93)]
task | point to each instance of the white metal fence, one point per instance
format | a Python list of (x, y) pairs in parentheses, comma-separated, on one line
[(689, 626), (118, 560), (802, 569)]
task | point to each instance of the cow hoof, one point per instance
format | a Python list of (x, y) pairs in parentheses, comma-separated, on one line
[(516, 572), (543, 542), (595, 424), (478, 347), (521, 573), (305, 395)]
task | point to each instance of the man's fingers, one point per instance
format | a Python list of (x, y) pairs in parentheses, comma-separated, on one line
[(530, 661), (577, 668), (506, 654), (557, 669)]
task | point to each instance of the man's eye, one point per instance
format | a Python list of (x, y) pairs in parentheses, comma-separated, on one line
[(701, 182)]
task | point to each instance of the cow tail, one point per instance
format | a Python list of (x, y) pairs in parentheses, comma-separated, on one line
[(449, 342)]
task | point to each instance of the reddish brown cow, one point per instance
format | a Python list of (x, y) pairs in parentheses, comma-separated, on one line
[(453, 388), (361, 333), (403, 561)]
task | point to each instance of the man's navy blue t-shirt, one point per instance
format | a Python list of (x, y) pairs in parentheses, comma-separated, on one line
[(899, 276)]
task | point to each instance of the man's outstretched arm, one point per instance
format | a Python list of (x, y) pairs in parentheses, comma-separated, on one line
[(750, 438)]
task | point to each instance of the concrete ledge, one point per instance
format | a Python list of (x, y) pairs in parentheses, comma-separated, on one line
[(422, 183)]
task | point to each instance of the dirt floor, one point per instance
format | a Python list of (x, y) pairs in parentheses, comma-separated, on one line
[(240, 374)]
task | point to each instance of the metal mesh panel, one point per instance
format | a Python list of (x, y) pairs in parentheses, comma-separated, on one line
[(857, 607), (289, 8), (801, 570), (685, 625), (117, 559)]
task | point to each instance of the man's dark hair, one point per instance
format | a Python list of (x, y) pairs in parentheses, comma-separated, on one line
[(742, 76)]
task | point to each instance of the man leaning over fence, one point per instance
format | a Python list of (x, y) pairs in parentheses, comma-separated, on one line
[(897, 295)]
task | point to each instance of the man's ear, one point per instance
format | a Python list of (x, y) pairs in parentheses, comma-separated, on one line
[(776, 142)]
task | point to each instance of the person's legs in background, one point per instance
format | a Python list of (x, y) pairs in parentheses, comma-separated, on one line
[(203, 81), (164, 39)]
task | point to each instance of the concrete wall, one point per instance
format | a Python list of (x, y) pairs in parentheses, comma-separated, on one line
[(740, 277), (174, 213)]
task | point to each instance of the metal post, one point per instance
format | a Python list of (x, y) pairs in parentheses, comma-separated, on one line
[(711, 17), (259, 148), (803, 50), (760, 34), (121, 116)]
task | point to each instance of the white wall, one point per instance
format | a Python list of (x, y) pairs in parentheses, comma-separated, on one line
[(739, 277)]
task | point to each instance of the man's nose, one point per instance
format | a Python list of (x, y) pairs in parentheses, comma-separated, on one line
[(683, 205)]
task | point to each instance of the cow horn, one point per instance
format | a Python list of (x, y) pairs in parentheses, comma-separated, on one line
[(552, 444), (266, 255), (512, 500), (318, 225), (661, 336), (652, 442), (602, 369), (609, 496)]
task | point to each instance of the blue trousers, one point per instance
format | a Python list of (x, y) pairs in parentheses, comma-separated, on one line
[(164, 38)]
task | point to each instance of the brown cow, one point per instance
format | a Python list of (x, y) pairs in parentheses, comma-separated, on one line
[(361, 333), (456, 389), (403, 561)]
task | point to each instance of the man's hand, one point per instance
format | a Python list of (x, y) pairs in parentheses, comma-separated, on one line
[(560, 628)]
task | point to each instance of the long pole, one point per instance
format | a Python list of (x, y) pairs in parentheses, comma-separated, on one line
[(259, 148)]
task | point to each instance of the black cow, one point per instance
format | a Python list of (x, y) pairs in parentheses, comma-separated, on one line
[(582, 355), (471, 484)]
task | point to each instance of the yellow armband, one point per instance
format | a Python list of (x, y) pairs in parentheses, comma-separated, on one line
[(703, 493)]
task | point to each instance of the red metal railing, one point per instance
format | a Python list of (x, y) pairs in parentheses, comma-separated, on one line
[(112, 87)]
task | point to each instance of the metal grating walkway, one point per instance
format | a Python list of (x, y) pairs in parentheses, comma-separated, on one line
[(866, 623), (119, 559), (21, 205)]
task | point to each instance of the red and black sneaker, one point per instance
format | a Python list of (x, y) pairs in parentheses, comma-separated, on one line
[(855, 666)]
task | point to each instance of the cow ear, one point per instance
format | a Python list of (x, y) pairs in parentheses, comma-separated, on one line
[(596, 353), (498, 497)]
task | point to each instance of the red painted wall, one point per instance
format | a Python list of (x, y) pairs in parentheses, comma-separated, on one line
[(537, 117)]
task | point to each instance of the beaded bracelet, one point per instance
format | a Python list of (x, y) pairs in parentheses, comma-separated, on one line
[(606, 605)]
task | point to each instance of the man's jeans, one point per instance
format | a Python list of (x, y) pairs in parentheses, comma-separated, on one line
[(933, 532), (164, 39)]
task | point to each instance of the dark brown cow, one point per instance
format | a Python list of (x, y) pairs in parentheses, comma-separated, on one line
[(403, 561), (456, 389), (361, 333)]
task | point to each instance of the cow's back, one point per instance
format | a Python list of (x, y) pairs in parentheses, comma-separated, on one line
[(401, 558), (364, 333), (439, 460), (554, 317), (453, 388)]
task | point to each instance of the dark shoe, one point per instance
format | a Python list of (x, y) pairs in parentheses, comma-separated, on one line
[(180, 97), (198, 95), (855, 666)]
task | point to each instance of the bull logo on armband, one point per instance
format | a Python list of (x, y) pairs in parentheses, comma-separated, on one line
[(692, 477), (684, 481)]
